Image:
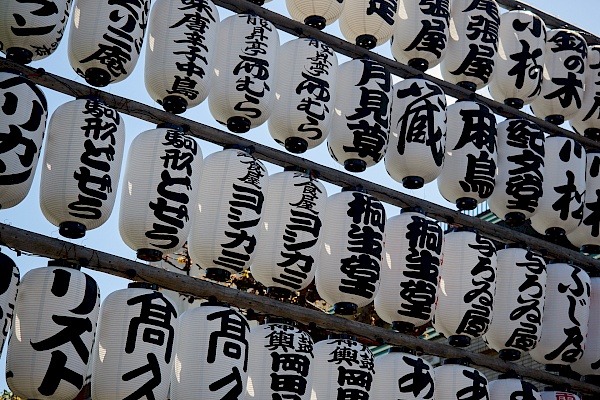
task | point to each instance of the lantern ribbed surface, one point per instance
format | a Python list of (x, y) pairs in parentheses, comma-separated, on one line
[(328, 10), (402, 376), (9, 287), (587, 235), (587, 120), (558, 395), (512, 388), (454, 381), (361, 18), (588, 363)]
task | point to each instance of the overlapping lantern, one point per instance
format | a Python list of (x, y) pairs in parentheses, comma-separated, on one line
[(368, 23), (242, 94), (587, 120), (9, 287), (82, 163), (509, 386), (54, 327), (105, 39), (588, 365), (182, 39), (402, 375), (315, 13), (455, 380), (558, 395), (23, 114), (361, 122)]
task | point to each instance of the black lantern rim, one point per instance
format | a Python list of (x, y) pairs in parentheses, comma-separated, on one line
[(218, 274), (142, 285), (149, 254), (72, 229), (413, 182), (19, 55), (296, 145)]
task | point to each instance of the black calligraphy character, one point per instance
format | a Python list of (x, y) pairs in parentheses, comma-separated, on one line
[(146, 389), (354, 377), (280, 339), (479, 175), (288, 383), (417, 381), (233, 327), (567, 90), (524, 67), (568, 193), (344, 354), (235, 391), (477, 390), (290, 362), (386, 9), (366, 209), (479, 129), (362, 272), (46, 9), (431, 38)]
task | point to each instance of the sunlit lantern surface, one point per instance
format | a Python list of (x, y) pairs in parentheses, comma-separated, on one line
[(455, 381), (587, 120), (9, 287), (588, 364), (400, 375), (315, 13), (509, 387), (368, 23)]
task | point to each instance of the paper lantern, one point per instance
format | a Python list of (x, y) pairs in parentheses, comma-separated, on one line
[(400, 375), (469, 172), (519, 183), (242, 94), (182, 39), (305, 94), (471, 53), (349, 268), (558, 395), (417, 133), (563, 78), (23, 114), (466, 287), (518, 303), (161, 177), (455, 381), (315, 13), (184, 266), (566, 315), (588, 364), (421, 33), (288, 245), (32, 30), (9, 287), (226, 219), (587, 120), (368, 23), (410, 271), (361, 122), (105, 39), (520, 60), (512, 388), (54, 327), (82, 163)]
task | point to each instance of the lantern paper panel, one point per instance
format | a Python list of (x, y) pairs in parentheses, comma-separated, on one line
[(415, 154), (404, 376), (519, 183), (563, 78), (566, 315), (10, 280), (588, 363), (410, 270), (421, 33), (361, 122), (471, 53), (182, 39), (349, 267), (561, 206), (520, 59), (315, 13), (288, 245), (104, 52), (558, 395), (162, 177), (305, 94), (368, 23), (587, 120), (512, 388), (23, 114), (470, 165), (82, 163), (54, 327), (32, 30), (454, 382), (587, 235), (242, 94)]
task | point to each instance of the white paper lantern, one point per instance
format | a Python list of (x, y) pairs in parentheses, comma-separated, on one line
[(471, 53), (454, 381), (23, 114), (470, 165), (226, 219), (368, 23), (288, 245), (518, 303), (563, 78), (421, 33), (588, 364), (512, 388), (32, 30), (181, 265), (349, 268), (242, 94), (400, 375), (182, 39), (417, 133), (54, 327), (520, 60), (566, 315), (315, 13), (105, 39), (410, 270), (9, 287), (519, 183), (558, 395), (81, 165), (305, 94), (361, 122), (587, 120), (466, 287)]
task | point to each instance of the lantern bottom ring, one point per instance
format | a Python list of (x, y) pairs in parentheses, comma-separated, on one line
[(403, 326), (555, 119), (279, 292), (149, 254), (97, 77), (174, 104), (19, 55), (466, 203), (590, 249), (296, 145), (459, 341), (238, 124), (467, 85), (514, 219), (592, 133), (419, 63), (355, 165), (315, 21), (514, 103), (217, 274), (509, 354), (366, 41), (345, 308), (413, 182), (555, 234), (72, 230)]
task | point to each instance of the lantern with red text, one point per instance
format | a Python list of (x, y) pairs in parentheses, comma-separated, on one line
[(509, 386), (9, 287), (588, 365), (558, 395), (587, 120), (454, 380), (315, 13), (368, 23), (402, 375)]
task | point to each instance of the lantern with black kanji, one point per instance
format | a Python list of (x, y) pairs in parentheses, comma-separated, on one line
[(558, 395), (368, 23), (315, 13), (587, 120), (105, 39), (288, 245), (400, 374), (243, 94), (23, 114), (588, 365), (421, 33), (410, 270), (160, 184), (349, 268), (566, 315), (518, 303), (466, 287), (81, 165), (9, 287), (415, 153), (134, 348), (225, 224), (520, 59), (305, 94), (510, 386), (454, 379), (519, 183), (562, 91), (469, 172), (361, 122), (54, 327), (473, 43), (32, 30)]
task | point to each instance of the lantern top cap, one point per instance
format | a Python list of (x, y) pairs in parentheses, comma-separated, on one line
[(412, 209), (142, 285), (456, 361), (402, 349), (464, 229), (168, 125), (64, 264), (341, 336), (234, 146), (509, 375), (515, 246), (354, 189), (213, 301), (90, 97)]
